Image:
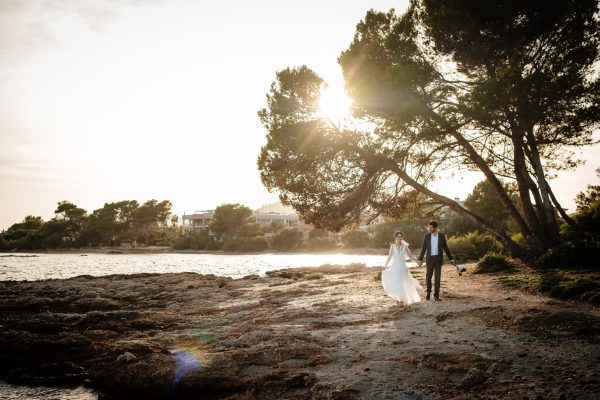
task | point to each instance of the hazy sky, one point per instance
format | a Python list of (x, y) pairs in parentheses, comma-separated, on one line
[(108, 100)]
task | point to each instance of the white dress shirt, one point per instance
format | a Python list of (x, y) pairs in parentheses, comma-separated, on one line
[(434, 245)]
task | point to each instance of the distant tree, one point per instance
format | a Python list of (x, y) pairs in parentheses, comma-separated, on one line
[(232, 221), (23, 235), (588, 209), (111, 224), (30, 224), (150, 218), (505, 88), (589, 218), (274, 227), (67, 224), (484, 201), (585, 200)]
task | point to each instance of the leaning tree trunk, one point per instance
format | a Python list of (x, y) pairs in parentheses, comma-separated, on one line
[(544, 188), (508, 243), (488, 173), (524, 186), (560, 210)]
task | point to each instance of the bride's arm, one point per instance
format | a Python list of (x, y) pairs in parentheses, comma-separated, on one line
[(389, 257), (409, 254)]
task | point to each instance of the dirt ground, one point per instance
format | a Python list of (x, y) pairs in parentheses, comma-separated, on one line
[(313, 333)]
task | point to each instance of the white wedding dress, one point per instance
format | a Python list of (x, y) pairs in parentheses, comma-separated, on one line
[(398, 282)]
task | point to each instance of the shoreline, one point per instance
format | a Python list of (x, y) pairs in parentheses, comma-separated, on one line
[(318, 332), (168, 250)]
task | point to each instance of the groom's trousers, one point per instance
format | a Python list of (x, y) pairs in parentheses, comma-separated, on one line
[(434, 265)]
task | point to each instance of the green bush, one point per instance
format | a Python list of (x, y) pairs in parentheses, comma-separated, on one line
[(254, 243), (317, 233), (519, 239), (200, 240), (288, 239), (321, 243), (357, 238), (473, 246), (580, 285), (494, 262), (314, 275), (576, 253)]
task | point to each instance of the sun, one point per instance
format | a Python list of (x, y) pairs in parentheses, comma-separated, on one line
[(334, 104)]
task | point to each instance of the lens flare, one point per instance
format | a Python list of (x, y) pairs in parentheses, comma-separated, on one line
[(189, 356), (185, 364)]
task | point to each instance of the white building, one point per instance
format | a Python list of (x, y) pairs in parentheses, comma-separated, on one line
[(265, 216)]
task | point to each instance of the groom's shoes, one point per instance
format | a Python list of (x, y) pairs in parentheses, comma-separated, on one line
[(428, 297), (437, 298)]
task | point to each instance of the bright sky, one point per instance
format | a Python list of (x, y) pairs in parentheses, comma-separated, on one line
[(108, 100)]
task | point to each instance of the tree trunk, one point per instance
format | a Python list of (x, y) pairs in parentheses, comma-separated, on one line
[(538, 237), (510, 245), (525, 229), (560, 210), (544, 188)]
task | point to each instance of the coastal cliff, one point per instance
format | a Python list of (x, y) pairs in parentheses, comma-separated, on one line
[(312, 333)]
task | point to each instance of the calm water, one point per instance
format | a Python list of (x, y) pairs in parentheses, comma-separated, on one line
[(60, 266)]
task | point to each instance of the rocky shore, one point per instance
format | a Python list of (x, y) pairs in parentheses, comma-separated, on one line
[(313, 333)]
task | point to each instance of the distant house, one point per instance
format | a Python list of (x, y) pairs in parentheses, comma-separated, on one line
[(289, 220), (446, 212), (266, 215), (197, 221)]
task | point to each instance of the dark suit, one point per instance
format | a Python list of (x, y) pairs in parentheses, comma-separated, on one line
[(434, 263)]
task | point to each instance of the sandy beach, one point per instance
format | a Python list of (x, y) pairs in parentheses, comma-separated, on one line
[(313, 333)]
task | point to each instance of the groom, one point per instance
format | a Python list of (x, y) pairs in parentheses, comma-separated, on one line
[(434, 243)]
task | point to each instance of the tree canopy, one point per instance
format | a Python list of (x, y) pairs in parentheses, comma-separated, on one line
[(507, 88), (113, 223), (234, 221)]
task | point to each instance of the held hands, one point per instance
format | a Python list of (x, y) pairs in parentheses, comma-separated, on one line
[(459, 269)]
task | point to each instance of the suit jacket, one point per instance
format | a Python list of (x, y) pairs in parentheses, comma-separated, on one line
[(442, 247)]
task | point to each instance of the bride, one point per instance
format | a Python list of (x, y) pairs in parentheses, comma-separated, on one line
[(397, 281)]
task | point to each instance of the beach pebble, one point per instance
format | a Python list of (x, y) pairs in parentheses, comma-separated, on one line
[(473, 377), (126, 357)]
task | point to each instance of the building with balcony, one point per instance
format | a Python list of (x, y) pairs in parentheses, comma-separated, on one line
[(197, 221)]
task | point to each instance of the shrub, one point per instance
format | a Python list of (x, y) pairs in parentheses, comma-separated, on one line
[(317, 233), (287, 239), (200, 240), (314, 275), (357, 238), (576, 253), (321, 243), (519, 239), (254, 243), (494, 262), (473, 245)]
